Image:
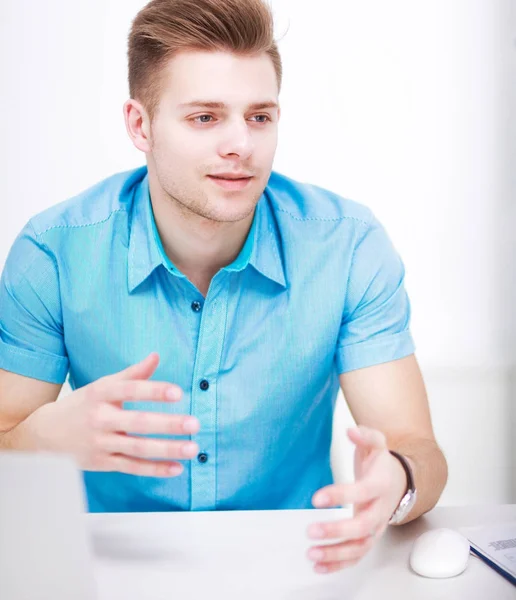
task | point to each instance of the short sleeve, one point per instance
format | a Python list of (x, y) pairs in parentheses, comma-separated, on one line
[(31, 328), (376, 317)]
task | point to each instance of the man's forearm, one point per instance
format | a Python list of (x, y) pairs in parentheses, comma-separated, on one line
[(16, 438), (6, 440), (430, 473)]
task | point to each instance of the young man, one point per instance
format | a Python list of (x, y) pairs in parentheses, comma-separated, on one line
[(250, 295)]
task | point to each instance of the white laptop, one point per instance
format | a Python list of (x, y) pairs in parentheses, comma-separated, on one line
[(45, 550)]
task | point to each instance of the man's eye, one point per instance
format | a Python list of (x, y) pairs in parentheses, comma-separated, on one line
[(203, 118), (264, 117)]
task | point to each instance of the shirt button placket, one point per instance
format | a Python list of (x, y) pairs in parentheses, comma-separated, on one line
[(204, 392)]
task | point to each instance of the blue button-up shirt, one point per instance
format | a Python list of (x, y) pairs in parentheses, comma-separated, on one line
[(317, 290)]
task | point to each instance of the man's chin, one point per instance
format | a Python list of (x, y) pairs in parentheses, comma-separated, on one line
[(225, 208), (221, 214)]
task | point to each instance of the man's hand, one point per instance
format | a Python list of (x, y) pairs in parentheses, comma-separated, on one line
[(92, 425), (380, 482)]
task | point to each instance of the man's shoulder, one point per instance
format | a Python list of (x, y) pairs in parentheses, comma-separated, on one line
[(92, 206), (309, 202)]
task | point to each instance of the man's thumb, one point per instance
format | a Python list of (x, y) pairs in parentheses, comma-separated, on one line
[(142, 370)]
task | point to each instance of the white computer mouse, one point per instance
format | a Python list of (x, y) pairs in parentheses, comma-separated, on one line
[(440, 553)]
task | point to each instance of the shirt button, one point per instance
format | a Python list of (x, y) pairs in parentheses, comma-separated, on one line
[(202, 457), (204, 385), (196, 306)]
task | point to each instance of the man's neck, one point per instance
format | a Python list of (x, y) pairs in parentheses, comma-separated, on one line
[(197, 246)]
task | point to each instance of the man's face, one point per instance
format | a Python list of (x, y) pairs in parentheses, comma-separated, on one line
[(197, 148)]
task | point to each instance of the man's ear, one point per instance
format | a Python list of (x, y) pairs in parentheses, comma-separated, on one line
[(137, 124)]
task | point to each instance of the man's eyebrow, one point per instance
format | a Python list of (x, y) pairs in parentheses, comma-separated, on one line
[(221, 105)]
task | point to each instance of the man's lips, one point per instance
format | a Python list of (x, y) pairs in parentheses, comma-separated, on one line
[(230, 184)]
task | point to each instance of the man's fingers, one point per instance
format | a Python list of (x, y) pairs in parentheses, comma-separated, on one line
[(347, 551), (365, 525), (135, 446), (335, 566), (136, 421), (142, 370), (347, 493), (365, 436), (135, 391), (142, 467)]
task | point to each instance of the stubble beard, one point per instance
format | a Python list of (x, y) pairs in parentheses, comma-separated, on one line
[(202, 207)]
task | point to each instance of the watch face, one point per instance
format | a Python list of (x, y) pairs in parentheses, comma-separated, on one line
[(410, 500), (405, 506)]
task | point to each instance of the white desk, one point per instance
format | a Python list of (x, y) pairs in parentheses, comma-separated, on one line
[(253, 554)]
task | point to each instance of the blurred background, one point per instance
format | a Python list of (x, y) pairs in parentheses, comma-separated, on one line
[(405, 106)]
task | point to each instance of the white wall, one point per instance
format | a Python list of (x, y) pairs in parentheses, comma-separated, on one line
[(405, 106)]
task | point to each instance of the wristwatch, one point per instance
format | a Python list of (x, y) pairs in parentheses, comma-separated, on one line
[(409, 499)]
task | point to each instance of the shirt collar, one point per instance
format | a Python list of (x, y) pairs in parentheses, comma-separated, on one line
[(146, 253), (266, 256)]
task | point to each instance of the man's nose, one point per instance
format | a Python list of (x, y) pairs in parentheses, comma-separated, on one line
[(237, 140)]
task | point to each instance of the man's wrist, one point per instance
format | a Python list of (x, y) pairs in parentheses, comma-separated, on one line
[(408, 496), (402, 483)]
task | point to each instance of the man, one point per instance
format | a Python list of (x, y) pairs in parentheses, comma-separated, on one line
[(249, 295)]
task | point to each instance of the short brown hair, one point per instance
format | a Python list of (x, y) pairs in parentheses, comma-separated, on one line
[(165, 27)]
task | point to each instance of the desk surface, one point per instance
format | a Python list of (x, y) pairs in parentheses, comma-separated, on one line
[(262, 554)]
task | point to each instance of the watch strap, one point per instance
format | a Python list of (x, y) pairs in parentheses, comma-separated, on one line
[(409, 497), (408, 470)]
